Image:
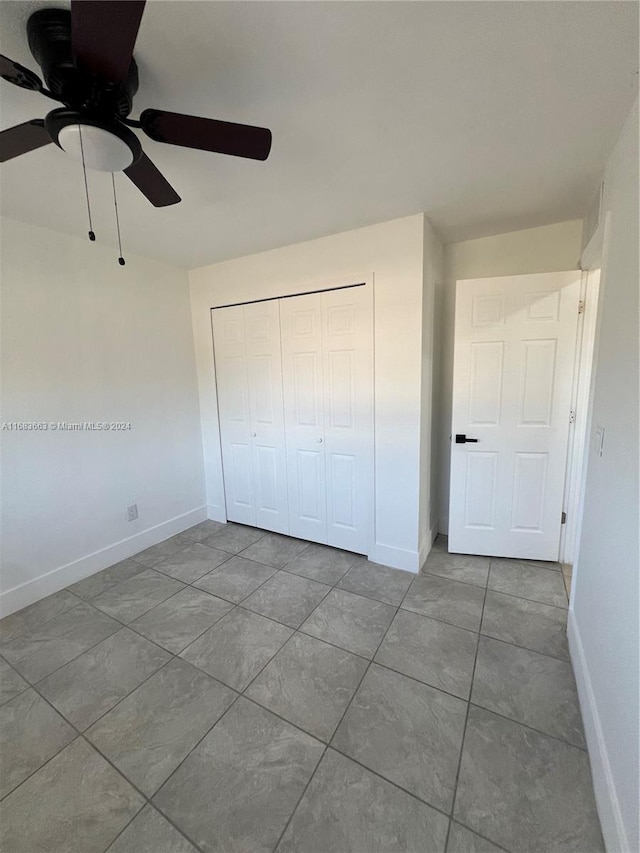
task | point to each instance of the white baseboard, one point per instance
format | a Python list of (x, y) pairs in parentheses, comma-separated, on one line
[(613, 829), (397, 558), (57, 579), (216, 513)]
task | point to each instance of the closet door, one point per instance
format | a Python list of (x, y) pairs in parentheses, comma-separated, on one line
[(233, 406), (301, 325), (262, 336), (347, 353), (327, 352), (249, 381)]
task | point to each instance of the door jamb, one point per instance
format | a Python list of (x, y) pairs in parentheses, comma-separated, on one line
[(591, 262)]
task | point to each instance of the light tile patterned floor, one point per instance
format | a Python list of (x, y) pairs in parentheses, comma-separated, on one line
[(235, 691)]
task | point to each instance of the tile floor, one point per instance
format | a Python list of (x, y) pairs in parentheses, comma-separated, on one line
[(235, 691)]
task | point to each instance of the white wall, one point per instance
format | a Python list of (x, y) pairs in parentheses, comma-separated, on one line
[(551, 248), (603, 617), (390, 254), (432, 283), (87, 340)]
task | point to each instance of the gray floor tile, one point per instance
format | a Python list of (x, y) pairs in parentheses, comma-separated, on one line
[(200, 532), (375, 581), (158, 552), (310, 684), (350, 621), (451, 601), (434, 652), (130, 599), (31, 733), (275, 550), (536, 626), (94, 682), (408, 732), (462, 840), (236, 648), (150, 732), (525, 791), (43, 650), (76, 802), (180, 619), (287, 598), (347, 808), (458, 567), (36, 615), (530, 582), (191, 562), (322, 563), (238, 788), (89, 587), (235, 579), (149, 832), (234, 538), (531, 688), (11, 683)]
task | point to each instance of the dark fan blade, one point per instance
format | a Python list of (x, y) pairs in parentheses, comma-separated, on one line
[(207, 134), (15, 73), (22, 138), (151, 182), (103, 35)]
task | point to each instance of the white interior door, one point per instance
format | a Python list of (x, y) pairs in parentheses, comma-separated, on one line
[(347, 352), (515, 342), (301, 328), (262, 333), (232, 382), (327, 352), (249, 380)]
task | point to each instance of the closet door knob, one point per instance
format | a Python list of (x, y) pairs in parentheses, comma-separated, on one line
[(319, 441), (253, 434)]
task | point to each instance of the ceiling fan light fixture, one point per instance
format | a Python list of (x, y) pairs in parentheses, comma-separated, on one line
[(105, 145), (102, 150)]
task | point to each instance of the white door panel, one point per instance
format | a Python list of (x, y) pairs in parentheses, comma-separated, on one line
[(301, 328), (262, 324), (249, 382), (513, 366), (232, 382), (348, 405)]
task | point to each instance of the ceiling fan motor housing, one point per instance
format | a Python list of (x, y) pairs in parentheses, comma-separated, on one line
[(49, 34)]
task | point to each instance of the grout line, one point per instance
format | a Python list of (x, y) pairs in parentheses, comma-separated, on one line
[(464, 730), (339, 723), (329, 744), (527, 726)]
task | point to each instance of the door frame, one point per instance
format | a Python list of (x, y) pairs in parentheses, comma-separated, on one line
[(306, 288), (592, 261)]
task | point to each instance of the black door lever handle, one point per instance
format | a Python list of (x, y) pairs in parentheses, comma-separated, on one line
[(462, 439)]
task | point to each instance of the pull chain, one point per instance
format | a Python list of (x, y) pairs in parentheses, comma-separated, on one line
[(115, 204), (92, 236)]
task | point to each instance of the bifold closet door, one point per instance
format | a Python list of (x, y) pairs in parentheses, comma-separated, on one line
[(327, 351), (249, 382)]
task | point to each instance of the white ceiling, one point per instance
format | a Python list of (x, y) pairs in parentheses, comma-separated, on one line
[(488, 116)]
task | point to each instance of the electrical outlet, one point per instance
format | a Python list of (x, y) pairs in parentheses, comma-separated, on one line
[(132, 512)]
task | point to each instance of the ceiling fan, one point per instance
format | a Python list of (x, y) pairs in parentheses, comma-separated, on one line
[(86, 57)]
